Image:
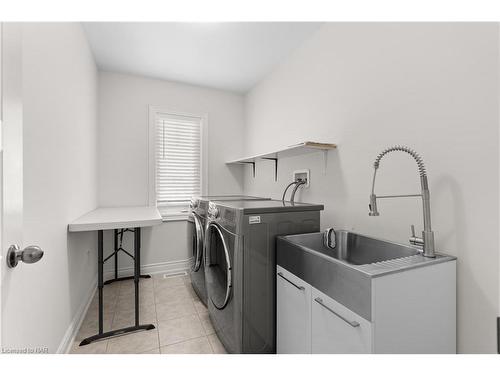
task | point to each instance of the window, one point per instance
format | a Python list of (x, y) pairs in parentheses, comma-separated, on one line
[(177, 161)]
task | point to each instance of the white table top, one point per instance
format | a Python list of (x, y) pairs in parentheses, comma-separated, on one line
[(104, 218)]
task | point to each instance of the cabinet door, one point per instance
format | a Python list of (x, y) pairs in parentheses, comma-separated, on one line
[(336, 329), (293, 313)]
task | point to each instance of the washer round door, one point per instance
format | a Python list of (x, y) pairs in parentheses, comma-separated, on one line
[(197, 243), (217, 266)]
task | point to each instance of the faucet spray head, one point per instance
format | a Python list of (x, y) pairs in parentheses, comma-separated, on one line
[(373, 206)]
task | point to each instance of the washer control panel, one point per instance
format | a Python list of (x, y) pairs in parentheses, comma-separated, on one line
[(194, 203), (213, 211), (224, 216)]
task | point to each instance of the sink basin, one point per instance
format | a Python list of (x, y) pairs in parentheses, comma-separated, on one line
[(354, 248), (347, 272)]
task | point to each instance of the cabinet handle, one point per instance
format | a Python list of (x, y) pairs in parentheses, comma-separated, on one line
[(295, 285), (352, 324)]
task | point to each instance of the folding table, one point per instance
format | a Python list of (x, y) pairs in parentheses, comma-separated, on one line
[(117, 218)]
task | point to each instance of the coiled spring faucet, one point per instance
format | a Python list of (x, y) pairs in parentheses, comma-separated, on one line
[(427, 239)]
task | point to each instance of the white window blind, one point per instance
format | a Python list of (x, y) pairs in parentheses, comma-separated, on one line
[(178, 159)]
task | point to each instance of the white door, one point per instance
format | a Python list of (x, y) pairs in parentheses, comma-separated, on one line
[(336, 329), (14, 301), (293, 309)]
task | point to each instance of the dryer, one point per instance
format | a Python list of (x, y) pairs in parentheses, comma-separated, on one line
[(196, 229), (240, 264)]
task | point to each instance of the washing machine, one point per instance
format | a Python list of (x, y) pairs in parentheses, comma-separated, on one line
[(196, 229), (240, 264)]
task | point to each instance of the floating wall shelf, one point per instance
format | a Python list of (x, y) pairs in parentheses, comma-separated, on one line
[(294, 150)]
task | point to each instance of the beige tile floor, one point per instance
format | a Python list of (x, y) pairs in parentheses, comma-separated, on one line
[(181, 320)]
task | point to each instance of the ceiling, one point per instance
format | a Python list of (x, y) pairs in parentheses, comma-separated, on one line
[(227, 56)]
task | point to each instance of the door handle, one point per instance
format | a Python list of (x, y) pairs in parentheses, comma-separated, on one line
[(295, 285), (352, 324), (30, 254)]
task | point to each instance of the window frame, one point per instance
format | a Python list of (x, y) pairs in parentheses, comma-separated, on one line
[(175, 212)]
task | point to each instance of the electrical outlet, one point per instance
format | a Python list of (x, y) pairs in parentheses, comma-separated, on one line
[(303, 175)]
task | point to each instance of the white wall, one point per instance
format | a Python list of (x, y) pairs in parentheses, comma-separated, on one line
[(60, 184), (123, 151), (433, 87)]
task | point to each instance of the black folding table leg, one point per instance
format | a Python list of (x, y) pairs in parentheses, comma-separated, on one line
[(110, 281), (136, 327), (115, 255), (115, 242), (137, 270), (100, 265)]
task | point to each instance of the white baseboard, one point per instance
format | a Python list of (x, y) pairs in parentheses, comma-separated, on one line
[(76, 322), (151, 269)]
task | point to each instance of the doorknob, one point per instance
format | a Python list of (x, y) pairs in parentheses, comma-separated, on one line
[(30, 254)]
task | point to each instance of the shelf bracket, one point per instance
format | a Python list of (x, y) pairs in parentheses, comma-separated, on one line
[(253, 166), (275, 167), (325, 161)]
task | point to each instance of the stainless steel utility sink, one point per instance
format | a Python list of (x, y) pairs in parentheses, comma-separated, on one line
[(346, 272), (354, 248)]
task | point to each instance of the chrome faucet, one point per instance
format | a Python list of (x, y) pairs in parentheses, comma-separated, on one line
[(427, 239)]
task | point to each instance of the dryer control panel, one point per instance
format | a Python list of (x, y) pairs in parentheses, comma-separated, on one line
[(213, 211)]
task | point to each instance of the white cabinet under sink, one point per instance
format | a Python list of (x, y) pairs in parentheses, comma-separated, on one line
[(336, 329), (294, 314), (410, 312)]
